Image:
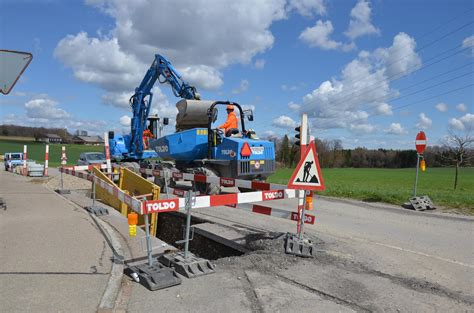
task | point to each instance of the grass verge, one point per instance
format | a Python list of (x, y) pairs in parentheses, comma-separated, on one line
[(396, 185), (36, 150)]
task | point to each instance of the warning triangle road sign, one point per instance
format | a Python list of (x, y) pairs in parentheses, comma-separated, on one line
[(307, 174)]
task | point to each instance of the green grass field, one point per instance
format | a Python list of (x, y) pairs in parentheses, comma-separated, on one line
[(395, 185), (36, 150)]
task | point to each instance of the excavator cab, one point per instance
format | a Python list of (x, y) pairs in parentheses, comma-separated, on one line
[(216, 134)]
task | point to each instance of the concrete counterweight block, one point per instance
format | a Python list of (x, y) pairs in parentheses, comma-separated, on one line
[(299, 247), (422, 203), (190, 267), (153, 277), (97, 210)]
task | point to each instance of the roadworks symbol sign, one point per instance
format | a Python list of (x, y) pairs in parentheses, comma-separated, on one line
[(307, 175)]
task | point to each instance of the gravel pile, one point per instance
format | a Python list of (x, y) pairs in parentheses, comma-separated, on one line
[(70, 182)]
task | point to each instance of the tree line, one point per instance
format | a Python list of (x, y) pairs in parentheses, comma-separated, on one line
[(332, 154), (34, 132)]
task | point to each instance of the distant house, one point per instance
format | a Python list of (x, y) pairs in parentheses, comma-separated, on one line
[(50, 138), (87, 140)]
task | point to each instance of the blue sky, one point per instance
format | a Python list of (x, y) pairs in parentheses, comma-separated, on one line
[(370, 73)]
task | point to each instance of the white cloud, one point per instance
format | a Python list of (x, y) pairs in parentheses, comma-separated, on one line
[(284, 121), (469, 43), (244, 85), (269, 134), (442, 107), (42, 111), (362, 128), (101, 62), (202, 76), (364, 85), (468, 120), (294, 106), (125, 120), (461, 107), (118, 62), (319, 36), (424, 122), (45, 108), (464, 122), (396, 129), (308, 7), (120, 99), (384, 109), (456, 124), (296, 87), (360, 23), (401, 58), (161, 105), (259, 64)]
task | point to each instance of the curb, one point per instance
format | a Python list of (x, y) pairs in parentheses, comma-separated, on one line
[(116, 273)]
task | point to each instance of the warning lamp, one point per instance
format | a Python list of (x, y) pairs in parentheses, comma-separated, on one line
[(132, 224), (423, 165), (309, 200), (298, 136), (245, 151)]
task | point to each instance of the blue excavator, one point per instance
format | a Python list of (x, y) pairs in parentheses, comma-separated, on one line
[(197, 146)]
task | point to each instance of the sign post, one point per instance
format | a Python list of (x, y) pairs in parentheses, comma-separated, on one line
[(420, 144), (25, 160), (306, 177)]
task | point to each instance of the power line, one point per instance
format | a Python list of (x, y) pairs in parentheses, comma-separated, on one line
[(353, 95), (421, 48), (432, 86), (437, 76), (424, 66), (455, 18), (432, 97), (417, 102)]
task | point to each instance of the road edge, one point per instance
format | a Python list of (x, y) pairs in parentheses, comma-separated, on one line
[(399, 209)]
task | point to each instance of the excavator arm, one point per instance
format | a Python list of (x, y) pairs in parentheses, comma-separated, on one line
[(162, 70)]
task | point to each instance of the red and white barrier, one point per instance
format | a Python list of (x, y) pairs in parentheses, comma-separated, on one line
[(261, 209), (25, 170), (178, 204), (232, 199), (86, 167), (63, 156), (107, 153), (46, 160)]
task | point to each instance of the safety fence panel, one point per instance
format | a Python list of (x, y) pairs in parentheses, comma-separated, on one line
[(133, 203), (104, 195), (137, 186)]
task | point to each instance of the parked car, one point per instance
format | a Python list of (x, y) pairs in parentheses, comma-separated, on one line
[(90, 158), (12, 159)]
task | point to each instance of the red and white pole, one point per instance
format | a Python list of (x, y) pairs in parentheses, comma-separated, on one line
[(63, 156), (46, 160), (107, 153), (25, 170)]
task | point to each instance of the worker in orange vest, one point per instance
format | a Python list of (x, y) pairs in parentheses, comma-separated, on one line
[(231, 121), (146, 135)]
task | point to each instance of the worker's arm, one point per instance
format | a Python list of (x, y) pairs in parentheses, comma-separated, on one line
[(226, 124)]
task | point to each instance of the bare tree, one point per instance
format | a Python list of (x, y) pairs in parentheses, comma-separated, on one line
[(457, 150)]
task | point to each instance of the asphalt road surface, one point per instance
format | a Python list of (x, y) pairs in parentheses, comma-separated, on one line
[(375, 257)]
